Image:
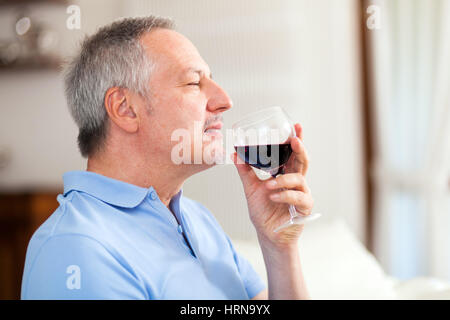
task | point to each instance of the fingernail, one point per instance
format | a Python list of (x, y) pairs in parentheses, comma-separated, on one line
[(303, 213), (272, 184), (275, 196)]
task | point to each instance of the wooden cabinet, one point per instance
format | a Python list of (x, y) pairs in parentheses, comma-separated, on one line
[(20, 215)]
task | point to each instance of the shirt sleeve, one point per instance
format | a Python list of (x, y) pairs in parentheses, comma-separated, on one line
[(251, 279), (79, 267)]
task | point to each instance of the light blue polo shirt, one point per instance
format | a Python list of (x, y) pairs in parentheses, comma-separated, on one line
[(112, 240)]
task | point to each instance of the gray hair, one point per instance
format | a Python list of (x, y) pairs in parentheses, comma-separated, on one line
[(112, 57)]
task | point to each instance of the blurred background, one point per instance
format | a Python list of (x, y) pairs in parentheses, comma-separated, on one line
[(368, 80)]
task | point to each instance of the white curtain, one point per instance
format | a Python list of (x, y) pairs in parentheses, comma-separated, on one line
[(411, 55)]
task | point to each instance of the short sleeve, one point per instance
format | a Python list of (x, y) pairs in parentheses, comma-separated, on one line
[(78, 267), (251, 279)]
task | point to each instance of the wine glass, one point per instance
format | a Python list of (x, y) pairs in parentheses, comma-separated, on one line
[(262, 140)]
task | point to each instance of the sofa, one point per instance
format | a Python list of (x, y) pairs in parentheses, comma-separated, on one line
[(336, 265)]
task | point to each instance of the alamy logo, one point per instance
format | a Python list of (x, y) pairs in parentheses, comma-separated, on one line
[(74, 279), (73, 22), (373, 22)]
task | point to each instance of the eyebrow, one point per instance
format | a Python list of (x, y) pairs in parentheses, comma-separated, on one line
[(198, 71)]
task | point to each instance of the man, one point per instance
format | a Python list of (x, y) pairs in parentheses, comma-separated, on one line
[(123, 230)]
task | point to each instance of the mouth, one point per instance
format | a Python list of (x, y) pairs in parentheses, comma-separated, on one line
[(214, 129)]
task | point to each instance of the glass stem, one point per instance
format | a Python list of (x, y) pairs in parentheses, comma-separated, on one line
[(292, 211)]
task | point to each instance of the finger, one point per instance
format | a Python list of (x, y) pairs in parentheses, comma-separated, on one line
[(301, 160), (245, 172), (299, 130), (302, 201), (289, 181)]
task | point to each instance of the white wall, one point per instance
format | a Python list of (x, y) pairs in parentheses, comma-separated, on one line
[(302, 55), (36, 131)]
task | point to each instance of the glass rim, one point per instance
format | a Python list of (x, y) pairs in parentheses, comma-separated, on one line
[(247, 119)]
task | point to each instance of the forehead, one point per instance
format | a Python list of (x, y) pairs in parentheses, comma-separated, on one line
[(172, 52)]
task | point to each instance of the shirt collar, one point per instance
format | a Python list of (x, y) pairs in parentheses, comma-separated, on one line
[(175, 204), (112, 191)]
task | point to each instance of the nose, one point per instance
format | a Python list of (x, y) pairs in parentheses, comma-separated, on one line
[(218, 100)]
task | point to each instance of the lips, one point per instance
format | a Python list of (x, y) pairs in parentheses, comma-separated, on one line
[(214, 129), (214, 126)]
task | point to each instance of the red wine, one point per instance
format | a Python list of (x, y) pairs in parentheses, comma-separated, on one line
[(267, 157)]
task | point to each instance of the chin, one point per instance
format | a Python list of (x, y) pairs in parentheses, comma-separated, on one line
[(197, 168), (214, 154)]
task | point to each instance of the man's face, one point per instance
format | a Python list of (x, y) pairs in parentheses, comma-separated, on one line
[(182, 96)]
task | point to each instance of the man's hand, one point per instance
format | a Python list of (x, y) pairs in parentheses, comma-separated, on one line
[(268, 204)]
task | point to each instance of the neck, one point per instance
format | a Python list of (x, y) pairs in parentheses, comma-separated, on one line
[(165, 178)]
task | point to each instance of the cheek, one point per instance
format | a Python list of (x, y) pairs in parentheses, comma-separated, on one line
[(190, 115), (193, 107), (178, 109)]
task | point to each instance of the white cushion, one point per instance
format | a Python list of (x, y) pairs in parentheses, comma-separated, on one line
[(423, 288), (335, 264)]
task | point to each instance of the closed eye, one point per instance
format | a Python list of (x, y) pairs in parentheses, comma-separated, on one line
[(194, 84)]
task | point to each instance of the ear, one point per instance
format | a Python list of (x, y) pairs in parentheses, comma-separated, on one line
[(118, 105)]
